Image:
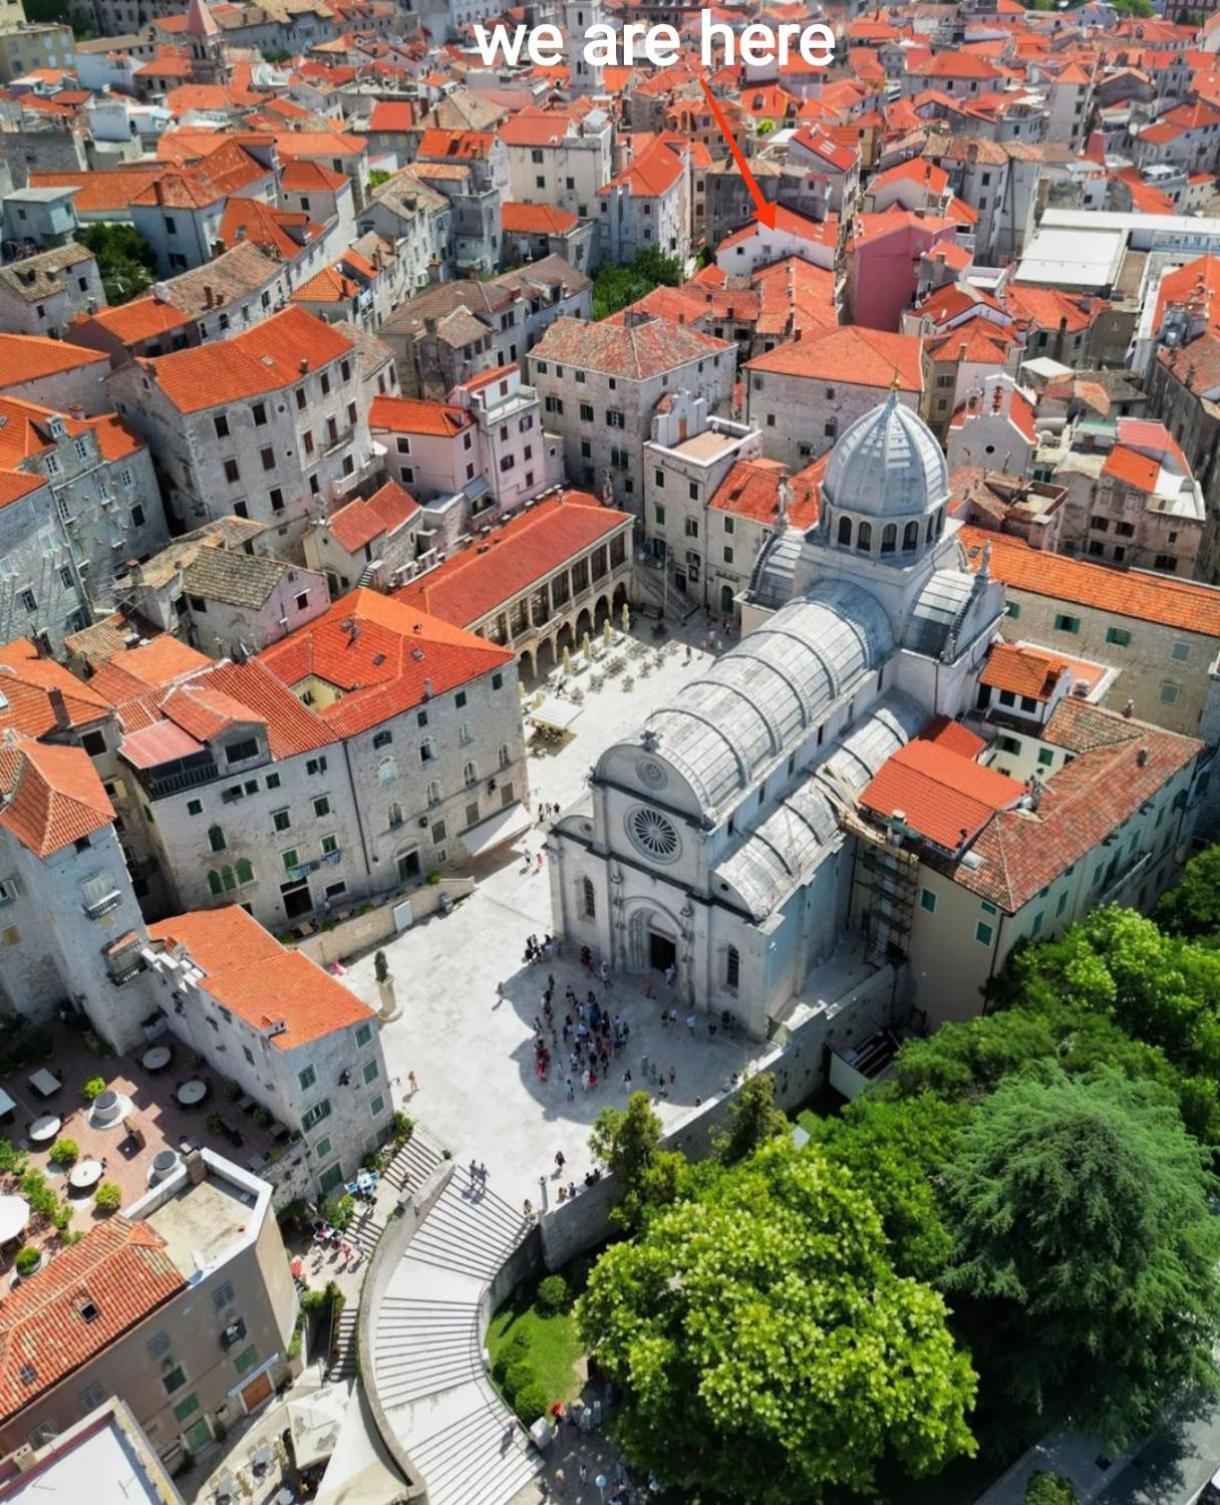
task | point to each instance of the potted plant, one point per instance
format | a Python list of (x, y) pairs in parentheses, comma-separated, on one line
[(93, 1088), (108, 1198), (28, 1260), (64, 1152)]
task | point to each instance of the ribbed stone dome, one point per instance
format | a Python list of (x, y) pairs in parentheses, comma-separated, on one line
[(887, 464)]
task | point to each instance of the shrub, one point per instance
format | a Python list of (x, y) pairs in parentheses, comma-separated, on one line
[(12, 1160), (28, 1259), (530, 1403), (1050, 1489), (64, 1152), (93, 1088), (517, 1377), (553, 1295), (61, 1217), (339, 1213), (108, 1197)]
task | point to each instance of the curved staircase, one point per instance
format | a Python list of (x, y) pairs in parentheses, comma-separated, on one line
[(428, 1367)]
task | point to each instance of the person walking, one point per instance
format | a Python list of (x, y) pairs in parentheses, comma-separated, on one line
[(474, 1173), (559, 1162), (412, 1082)]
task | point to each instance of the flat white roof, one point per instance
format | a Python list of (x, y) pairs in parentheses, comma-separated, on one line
[(101, 1466), (1073, 258)]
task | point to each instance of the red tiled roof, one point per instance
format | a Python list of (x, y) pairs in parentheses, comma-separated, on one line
[(388, 657), (633, 351), (650, 176), (54, 794), (122, 1268), (1132, 468), (469, 585), (272, 355), (943, 795), (535, 219), (141, 319), (1023, 670), (39, 695), (249, 972), (98, 192), (362, 521), (852, 354), (29, 357), (1147, 597), (414, 415), (751, 489)]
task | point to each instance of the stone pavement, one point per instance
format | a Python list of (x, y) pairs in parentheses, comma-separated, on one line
[(472, 1052)]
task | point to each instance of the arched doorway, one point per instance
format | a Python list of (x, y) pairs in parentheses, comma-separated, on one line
[(620, 596), (652, 940), (525, 665), (601, 612), (727, 604), (584, 623), (544, 656), (406, 859), (565, 638)]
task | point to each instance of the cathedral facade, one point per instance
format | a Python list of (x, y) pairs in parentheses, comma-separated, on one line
[(719, 842)]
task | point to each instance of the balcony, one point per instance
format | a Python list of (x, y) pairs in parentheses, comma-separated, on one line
[(173, 778), (101, 899)]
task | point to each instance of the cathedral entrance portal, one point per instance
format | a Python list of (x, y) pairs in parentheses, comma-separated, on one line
[(662, 953)]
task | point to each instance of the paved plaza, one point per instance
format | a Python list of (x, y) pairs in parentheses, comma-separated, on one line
[(472, 1052)]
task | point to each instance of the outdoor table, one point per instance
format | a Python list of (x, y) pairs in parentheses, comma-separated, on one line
[(88, 1173), (45, 1083), (192, 1093), (14, 1215), (157, 1059), (44, 1129)]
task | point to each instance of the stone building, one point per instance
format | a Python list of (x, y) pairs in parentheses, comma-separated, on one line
[(601, 385), (44, 293)]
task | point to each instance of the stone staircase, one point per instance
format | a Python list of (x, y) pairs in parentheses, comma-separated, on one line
[(413, 1164), (427, 1349), (342, 1362)]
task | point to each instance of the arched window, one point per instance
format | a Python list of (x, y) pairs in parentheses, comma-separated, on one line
[(889, 538), (471, 774), (845, 531), (910, 537), (588, 898), (940, 521), (394, 816), (215, 886), (465, 735), (387, 772), (426, 750), (930, 530), (864, 538), (216, 839), (732, 967), (434, 794), (227, 878), (245, 871), (506, 757)]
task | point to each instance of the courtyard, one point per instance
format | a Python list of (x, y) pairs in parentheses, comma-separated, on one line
[(471, 1049)]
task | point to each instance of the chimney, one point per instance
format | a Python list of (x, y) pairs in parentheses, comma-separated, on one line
[(303, 365), (1141, 757), (196, 1170), (427, 689), (59, 709), (207, 295)]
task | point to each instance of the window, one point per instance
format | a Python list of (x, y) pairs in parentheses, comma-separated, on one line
[(588, 899), (232, 473), (307, 1078), (267, 456), (216, 839), (471, 775), (377, 1107), (983, 933), (465, 735), (321, 805), (927, 901), (1013, 609), (238, 752), (281, 820), (221, 424), (586, 412), (194, 807), (245, 871), (504, 756), (330, 844), (497, 680), (387, 772), (1181, 652), (691, 528), (174, 1380), (363, 1035), (223, 1295), (370, 1071), (1065, 623), (259, 413), (289, 859), (1046, 757), (314, 765), (246, 1359), (427, 750), (1119, 636), (316, 1114), (273, 781), (1169, 692), (434, 794), (732, 967), (183, 1411)]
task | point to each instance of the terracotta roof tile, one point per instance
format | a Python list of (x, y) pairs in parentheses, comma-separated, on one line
[(851, 354), (53, 794), (29, 357), (945, 796), (468, 585), (1023, 670), (361, 521), (249, 972), (635, 352), (122, 1268), (37, 695), (412, 415)]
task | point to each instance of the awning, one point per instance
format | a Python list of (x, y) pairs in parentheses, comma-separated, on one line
[(556, 714), (504, 825), (360, 1471)]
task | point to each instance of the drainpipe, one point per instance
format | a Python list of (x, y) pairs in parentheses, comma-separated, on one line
[(364, 845)]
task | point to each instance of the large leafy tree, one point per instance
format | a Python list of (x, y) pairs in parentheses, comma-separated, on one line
[(753, 1120), (628, 1140), (765, 1347), (894, 1148), (1192, 907), (1085, 1251), (125, 260)]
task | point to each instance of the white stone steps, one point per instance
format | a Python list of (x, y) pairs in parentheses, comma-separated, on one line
[(481, 1459)]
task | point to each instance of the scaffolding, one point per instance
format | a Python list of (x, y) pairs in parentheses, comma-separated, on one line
[(888, 872)]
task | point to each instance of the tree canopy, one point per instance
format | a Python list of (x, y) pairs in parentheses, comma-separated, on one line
[(1192, 907), (1085, 1251), (753, 1119), (617, 286), (628, 1141), (765, 1347), (125, 261)]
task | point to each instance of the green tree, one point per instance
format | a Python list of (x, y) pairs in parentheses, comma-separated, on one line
[(615, 286), (125, 261), (765, 1349), (1192, 907), (894, 1149), (1085, 1251), (629, 1142), (753, 1119), (661, 270), (1045, 1488)]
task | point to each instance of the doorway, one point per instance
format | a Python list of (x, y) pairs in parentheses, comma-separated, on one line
[(298, 900), (408, 866), (257, 1391), (198, 1438), (662, 952)]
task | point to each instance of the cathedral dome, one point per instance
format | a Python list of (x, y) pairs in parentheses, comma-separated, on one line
[(887, 464)]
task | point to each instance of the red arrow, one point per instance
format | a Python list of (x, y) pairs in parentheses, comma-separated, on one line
[(764, 211)]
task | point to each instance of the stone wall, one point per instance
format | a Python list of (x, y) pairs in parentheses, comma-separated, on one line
[(364, 931)]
